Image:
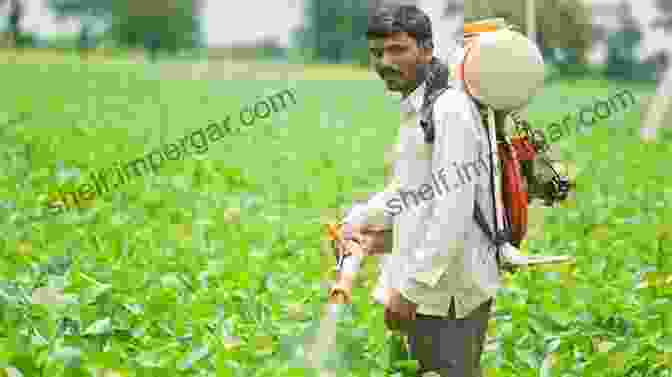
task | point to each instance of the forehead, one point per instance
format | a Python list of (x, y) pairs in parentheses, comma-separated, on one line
[(394, 38)]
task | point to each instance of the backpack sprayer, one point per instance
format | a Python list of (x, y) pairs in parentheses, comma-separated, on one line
[(502, 70), (489, 47)]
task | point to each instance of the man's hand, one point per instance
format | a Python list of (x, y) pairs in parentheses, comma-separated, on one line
[(351, 247), (376, 240), (372, 239), (398, 310)]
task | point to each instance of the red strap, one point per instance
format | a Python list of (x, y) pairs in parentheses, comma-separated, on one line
[(524, 149), (514, 195)]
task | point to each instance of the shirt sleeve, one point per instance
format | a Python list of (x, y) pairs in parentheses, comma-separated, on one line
[(454, 159), (377, 210)]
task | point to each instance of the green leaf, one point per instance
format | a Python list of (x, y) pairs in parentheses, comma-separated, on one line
[(93, 292), (406, 365), (195, 355), (99, 327), (664, 344), (67, 354)]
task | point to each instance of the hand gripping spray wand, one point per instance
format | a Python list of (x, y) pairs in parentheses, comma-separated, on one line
[(349, 253), (348, 266)]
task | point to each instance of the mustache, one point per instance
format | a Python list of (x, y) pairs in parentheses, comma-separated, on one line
[(387, 72)]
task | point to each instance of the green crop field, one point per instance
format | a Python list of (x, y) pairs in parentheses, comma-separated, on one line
[(215, 266)]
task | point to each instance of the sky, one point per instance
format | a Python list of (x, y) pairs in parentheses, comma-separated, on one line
[(225, 24)]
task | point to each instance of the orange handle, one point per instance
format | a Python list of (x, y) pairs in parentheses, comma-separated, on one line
[(334, 231), (341, 292), (479, 28)]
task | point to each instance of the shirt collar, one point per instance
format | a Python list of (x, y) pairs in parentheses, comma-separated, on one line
[(413, 103)]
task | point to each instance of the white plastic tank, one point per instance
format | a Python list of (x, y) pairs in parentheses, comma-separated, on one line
[(498, 66)]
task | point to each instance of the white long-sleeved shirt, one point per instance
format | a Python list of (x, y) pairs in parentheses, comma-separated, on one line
[(439, 251)]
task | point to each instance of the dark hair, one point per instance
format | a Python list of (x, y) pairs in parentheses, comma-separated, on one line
[(387, 20)]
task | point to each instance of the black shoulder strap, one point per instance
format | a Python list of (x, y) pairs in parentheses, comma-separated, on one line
[(437, 84), (427, 121), (497, 237)]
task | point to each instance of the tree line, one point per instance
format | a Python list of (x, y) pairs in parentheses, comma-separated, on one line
[(334, 31), (168, 25)]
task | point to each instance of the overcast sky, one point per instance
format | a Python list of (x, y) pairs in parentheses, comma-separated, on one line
[(249, 20)]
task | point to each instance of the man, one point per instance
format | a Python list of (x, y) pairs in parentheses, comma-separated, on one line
[(439, 282)]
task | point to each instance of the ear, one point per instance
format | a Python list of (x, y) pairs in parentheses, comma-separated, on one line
[(426, 53)]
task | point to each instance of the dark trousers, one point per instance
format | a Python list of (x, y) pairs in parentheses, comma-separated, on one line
[(447, 345)]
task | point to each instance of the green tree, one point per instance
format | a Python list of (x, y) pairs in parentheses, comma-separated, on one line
[(335, 31), (89, 12), (14, 19), (622, 61), (563, 25), (157, 24), (153, 24)]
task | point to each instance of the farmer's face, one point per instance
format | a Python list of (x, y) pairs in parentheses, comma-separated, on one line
[(397, 58)]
